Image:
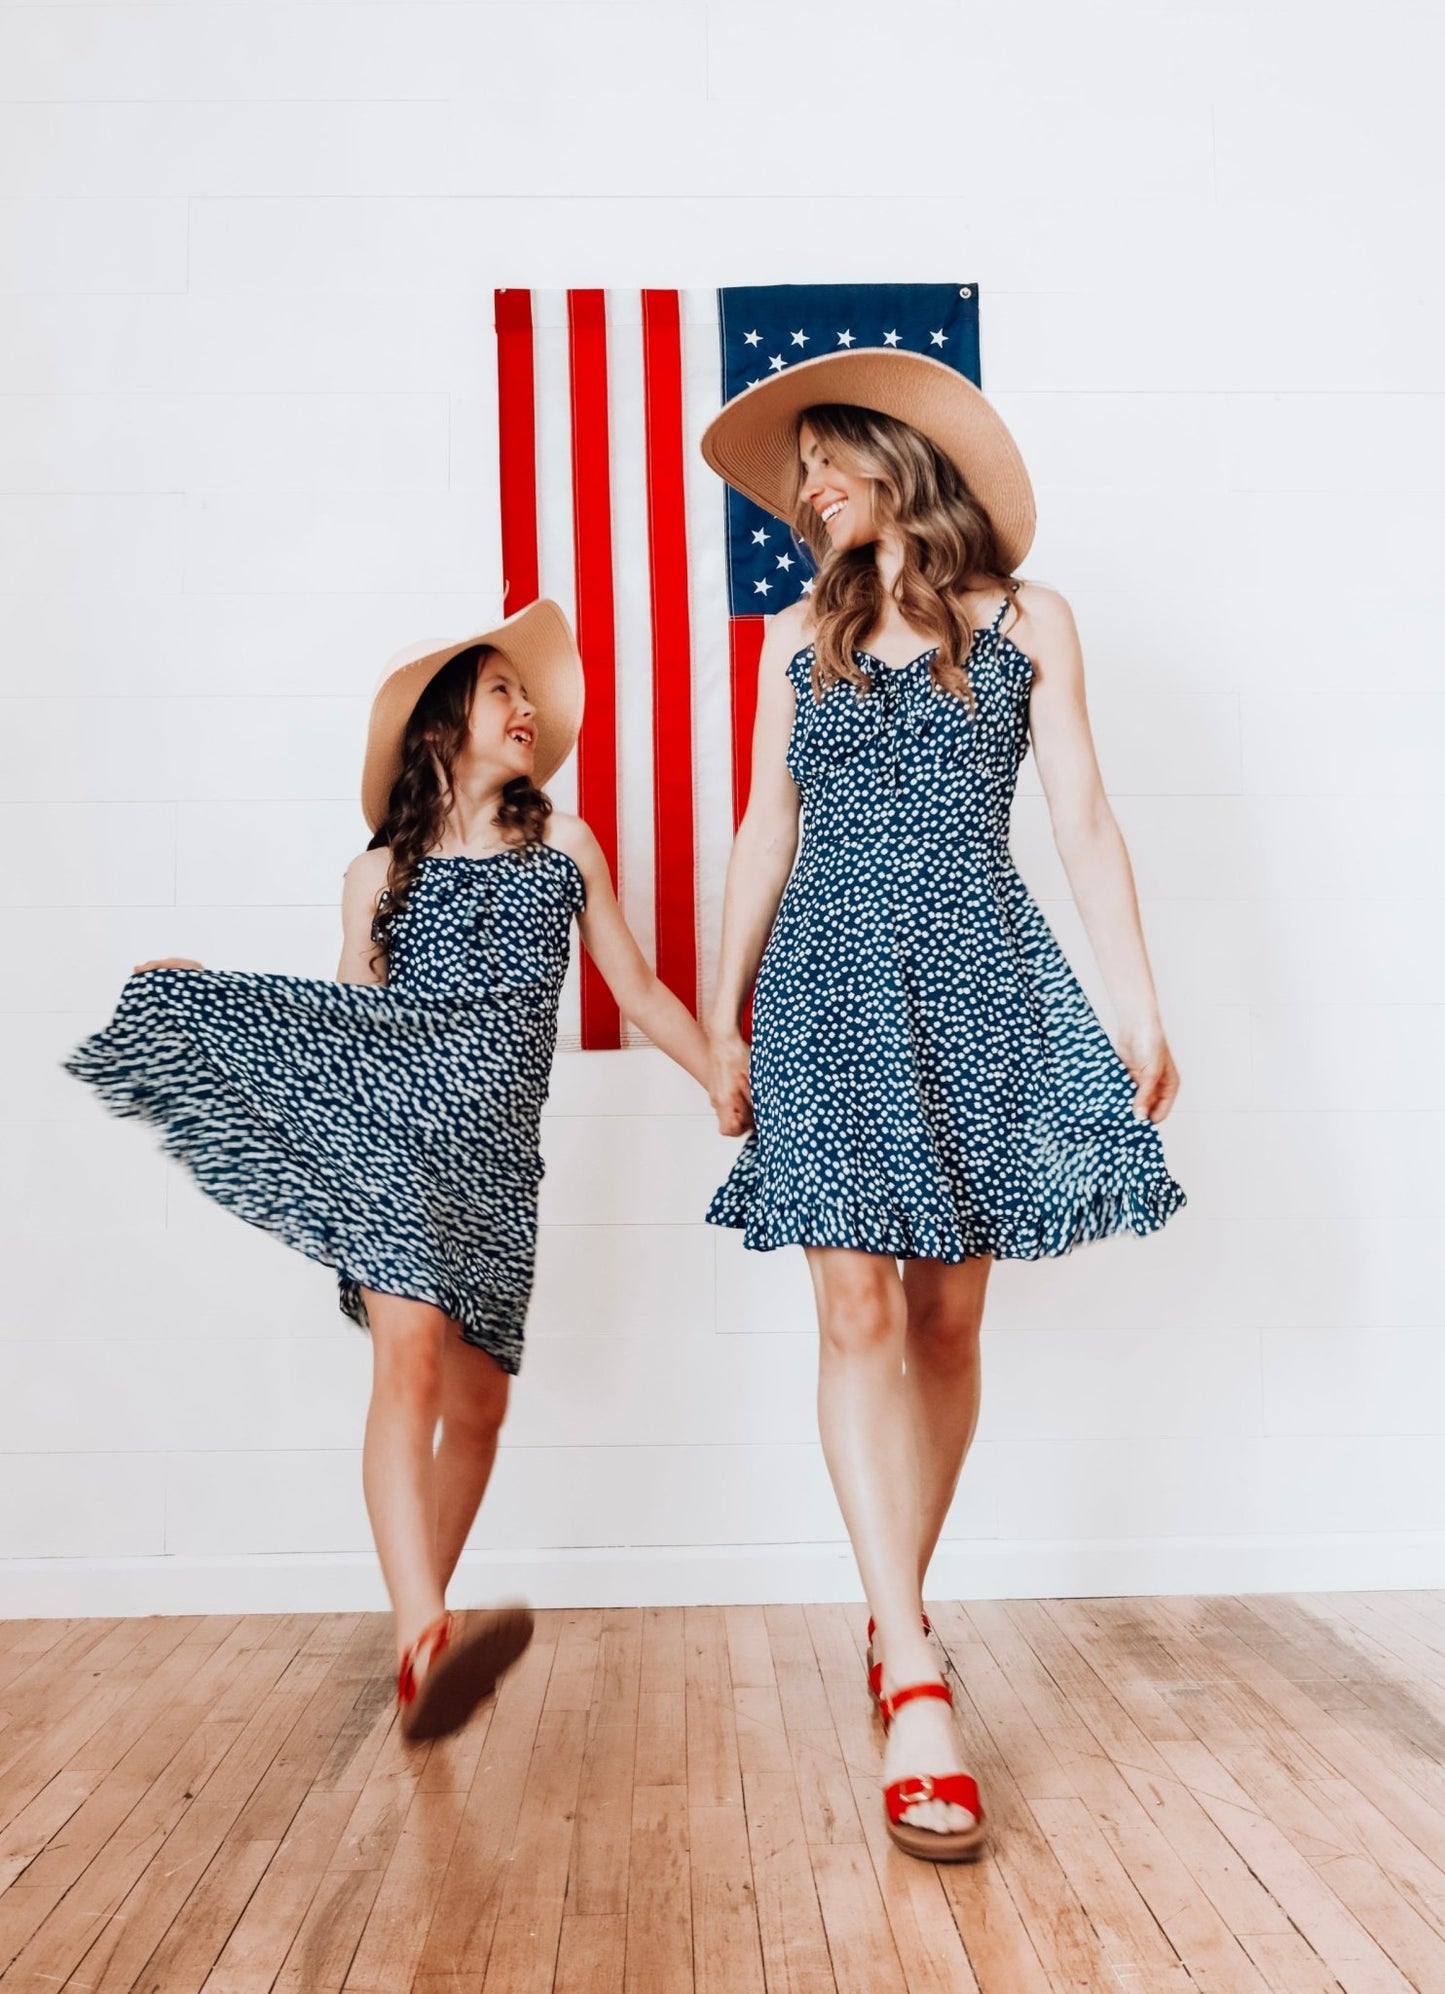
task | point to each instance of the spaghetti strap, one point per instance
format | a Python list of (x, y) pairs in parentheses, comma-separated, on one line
[(1002, 612)]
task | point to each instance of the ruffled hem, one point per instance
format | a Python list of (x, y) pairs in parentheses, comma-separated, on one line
[(505, 1350), (246, 1164), (1133, 1202)]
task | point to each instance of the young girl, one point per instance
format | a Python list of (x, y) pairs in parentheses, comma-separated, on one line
[(927, 1082), (387, 1124)]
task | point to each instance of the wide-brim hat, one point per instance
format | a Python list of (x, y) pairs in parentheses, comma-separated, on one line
[(537, 641), (753, 442)]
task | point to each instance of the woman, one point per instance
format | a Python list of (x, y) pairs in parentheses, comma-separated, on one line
[(928, 1083), (387, 1123)]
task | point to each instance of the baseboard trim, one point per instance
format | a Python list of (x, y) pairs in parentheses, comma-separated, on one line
[(727, 1575)]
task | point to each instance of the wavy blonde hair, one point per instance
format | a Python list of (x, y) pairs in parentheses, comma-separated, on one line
[(948, 541)]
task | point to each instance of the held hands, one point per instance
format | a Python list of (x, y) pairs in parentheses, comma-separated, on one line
[(729, 1088), (168, 962), (1149, 1060)]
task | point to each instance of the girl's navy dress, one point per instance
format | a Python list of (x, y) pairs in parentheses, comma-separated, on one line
[(390, 1132), (929, 1080)]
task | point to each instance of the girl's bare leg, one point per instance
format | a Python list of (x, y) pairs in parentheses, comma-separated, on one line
[(398, 1471), (474, 1404), (865, 1419), (943, 1375)]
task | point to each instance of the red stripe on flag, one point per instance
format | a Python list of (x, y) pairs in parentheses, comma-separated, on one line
[(517, 447), (672, 773), (745, 643), (596, 623)]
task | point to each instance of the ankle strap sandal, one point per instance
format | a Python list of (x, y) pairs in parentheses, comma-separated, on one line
[(875, 1669), (431, 1643), (462, 1670), (957, 1789)]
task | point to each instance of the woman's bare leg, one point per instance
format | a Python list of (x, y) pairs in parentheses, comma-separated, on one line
[(943, 1373), (865, 1424), (398, 1471), (474, 1404), (865, 1419)]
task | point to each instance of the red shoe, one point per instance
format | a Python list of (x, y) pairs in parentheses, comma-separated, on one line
[(460, 1674), (875, 1669), (960, 1789), (432, 1641)]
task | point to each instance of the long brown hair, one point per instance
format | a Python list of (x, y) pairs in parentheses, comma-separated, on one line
[(948, 541), (422, 795)]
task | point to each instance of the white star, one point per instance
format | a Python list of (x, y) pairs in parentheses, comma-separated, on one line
[(752, 338), (845, 339), (760, 536), (785, 561), (762, 588), (777, 363), (808, 586), (937, 338), (752, 384), (890, 339), (800, 338)]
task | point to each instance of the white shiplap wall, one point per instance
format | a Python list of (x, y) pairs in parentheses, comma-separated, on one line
[(246, 438)]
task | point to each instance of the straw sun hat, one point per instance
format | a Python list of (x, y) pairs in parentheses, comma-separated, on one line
[(753, 442), (537, 641)]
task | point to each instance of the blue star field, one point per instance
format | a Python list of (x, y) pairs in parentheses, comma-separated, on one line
[(767, 328)]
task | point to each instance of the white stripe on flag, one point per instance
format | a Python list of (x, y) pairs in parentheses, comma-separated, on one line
[(708, 602), (632, 597), (555, 554)]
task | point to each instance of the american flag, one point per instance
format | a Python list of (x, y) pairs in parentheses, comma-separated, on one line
[(667, 575)]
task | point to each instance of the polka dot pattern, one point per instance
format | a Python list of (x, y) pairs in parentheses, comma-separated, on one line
[(390, 1132), (929, 1080)]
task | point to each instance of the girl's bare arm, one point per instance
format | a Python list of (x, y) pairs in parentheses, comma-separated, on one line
[(641, 995), (365, 878)]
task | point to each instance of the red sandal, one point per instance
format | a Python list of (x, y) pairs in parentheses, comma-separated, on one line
[(432, 1642), (875, 1669), (460, 1674), (959, 1789)]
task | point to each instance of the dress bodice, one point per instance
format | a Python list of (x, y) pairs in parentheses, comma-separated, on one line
[(906, 759), (495, 923)]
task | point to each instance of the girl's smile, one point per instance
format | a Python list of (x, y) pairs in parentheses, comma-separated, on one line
[(503, 720)]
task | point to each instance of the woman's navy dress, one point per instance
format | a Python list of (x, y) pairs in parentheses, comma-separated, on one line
[(928, 1078), (388, 1131)]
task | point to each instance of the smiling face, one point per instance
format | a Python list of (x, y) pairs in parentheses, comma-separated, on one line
[(841, 497), (502, 728)]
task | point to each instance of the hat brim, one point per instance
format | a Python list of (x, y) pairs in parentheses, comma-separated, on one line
[(537, 641), (753, 441)]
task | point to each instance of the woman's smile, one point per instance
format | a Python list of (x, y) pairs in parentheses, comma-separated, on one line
[(831, 489)]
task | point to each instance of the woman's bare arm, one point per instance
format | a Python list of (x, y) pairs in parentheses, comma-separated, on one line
[(1090, 843), (758, 870)]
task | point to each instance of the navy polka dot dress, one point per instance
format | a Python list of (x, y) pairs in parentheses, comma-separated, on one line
[(929, 1080), (388, 1131)]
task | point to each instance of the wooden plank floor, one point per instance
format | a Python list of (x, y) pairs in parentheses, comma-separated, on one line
[(1233, 1795)]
